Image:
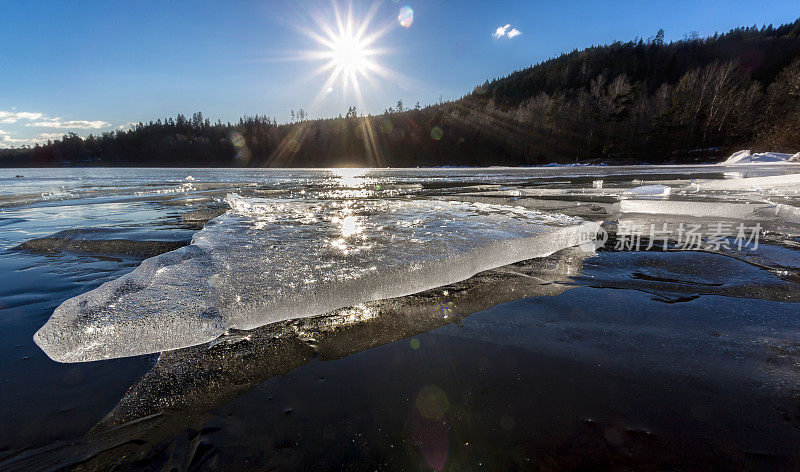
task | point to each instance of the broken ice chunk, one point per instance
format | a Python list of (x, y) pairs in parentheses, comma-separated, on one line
[(789, 181), (648, 191), (720, 210), (271, 260)]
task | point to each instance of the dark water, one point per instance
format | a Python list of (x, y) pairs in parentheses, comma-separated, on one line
[(607, 361)]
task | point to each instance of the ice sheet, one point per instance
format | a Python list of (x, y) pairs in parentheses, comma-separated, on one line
[(335, 242), (269, 260), (714, 210), (784, 182)]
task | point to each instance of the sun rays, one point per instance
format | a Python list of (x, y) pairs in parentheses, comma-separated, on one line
[(348, 49), (349, 56)]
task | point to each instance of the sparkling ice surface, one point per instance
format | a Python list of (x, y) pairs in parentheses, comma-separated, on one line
[(268, 260)]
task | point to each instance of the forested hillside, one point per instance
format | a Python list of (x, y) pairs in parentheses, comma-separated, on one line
[(640, 101)]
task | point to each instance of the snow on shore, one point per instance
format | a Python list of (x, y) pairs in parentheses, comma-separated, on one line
[(747, 157)]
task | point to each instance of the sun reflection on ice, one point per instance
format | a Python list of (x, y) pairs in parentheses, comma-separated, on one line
[(349, 225), (350, 228), (350, 177)]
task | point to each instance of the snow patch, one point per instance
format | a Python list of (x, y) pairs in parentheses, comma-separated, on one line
[(746, 157)]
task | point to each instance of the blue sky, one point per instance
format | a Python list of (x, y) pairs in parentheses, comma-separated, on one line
[(93, 66)]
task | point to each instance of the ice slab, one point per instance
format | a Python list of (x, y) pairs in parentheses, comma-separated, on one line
[(576, 207), (717, 210), (746, 157), (648, 191), (789, 181), (99, 241), (268, 260)]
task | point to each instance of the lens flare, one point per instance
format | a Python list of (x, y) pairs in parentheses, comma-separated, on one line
[(240, 145), (406, 16)]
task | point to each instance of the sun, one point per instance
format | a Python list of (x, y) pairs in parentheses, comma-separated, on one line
[(350, 55), (347, 45)]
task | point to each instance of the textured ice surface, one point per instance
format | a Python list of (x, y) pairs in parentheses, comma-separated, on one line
[(788, 213), (268, 260)]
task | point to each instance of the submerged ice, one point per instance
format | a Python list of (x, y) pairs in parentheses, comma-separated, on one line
[(268, 260)]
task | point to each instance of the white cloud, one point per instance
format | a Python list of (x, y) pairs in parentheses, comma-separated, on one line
[(14, 116), (46, 136), (7, 140), (44, 121), (127, 126), (78, 124), (501, 31), (39, 120), (506, 30)]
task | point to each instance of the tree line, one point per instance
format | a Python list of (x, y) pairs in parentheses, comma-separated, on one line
[(639, 101)]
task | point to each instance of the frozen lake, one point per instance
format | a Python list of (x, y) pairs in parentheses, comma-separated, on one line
[(452, 318)]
